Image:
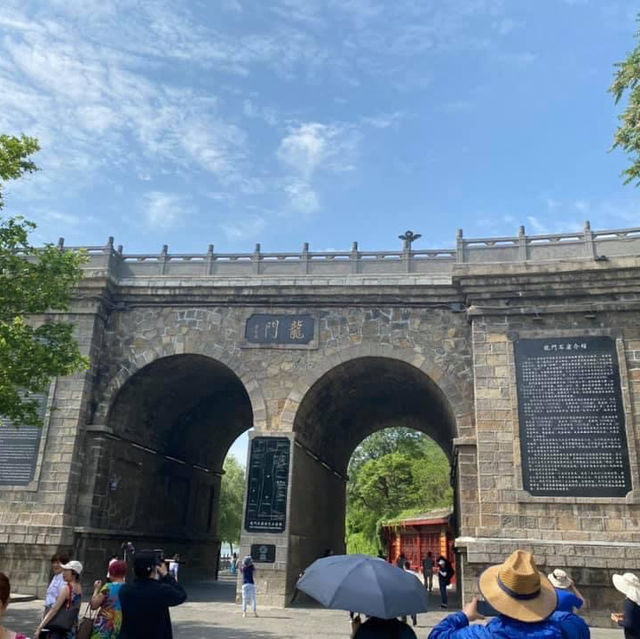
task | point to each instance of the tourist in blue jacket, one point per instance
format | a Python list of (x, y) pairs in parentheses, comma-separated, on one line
[(526, 604)]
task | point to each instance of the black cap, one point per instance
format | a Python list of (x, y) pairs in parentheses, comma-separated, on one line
[(144, 562)]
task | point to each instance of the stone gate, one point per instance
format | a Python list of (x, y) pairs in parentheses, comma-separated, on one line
[(520, 356)]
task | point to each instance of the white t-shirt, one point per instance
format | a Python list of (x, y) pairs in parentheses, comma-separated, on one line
[(56, 585)]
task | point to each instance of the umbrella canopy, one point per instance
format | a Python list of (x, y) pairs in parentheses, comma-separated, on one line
[(364, 584)]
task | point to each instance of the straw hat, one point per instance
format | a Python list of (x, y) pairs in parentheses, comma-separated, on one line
[(560, 579), (629, 585), (518, 590)]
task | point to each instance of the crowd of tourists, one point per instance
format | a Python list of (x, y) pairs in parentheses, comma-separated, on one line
[(116, 609), (521, 601)]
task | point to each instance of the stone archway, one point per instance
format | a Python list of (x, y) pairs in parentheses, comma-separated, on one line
[(345, 405), (156, 468)]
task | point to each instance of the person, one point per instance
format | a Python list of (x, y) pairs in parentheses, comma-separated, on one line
[(57, 582), (106, 599), (407, 568), (112, 560), (5, 594), (233, 566), (375, 628), (568, 595), (525, 601), (400, 560), (145, 603), (248, 586), (70, 596), (629, 585), (427, 571), (174, 564), (445, 575)]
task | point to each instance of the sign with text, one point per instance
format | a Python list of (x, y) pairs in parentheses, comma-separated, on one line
[(263, 553), (267, 330), (19, 446), (572, 428), (268, 485)]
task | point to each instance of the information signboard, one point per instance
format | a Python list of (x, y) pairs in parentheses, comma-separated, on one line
[(268, 484), (572, 429), (19, 446)]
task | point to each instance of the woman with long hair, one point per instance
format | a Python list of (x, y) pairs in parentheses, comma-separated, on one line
[(248, 586), (70, 598), (5, 592)]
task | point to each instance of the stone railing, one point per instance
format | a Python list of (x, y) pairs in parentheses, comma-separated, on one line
[(582, 245)]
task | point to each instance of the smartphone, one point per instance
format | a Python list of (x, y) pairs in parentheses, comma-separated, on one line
[(486, 609)]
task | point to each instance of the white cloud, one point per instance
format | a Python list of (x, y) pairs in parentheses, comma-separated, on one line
[(163, 210), (302, 197), (310, 148), (384, 120), (246, 227)]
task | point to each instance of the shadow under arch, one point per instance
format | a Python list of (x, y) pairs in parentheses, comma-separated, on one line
[(154, 476), (344, 406)]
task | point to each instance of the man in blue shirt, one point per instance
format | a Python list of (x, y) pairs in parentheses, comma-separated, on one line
[(525, 602)]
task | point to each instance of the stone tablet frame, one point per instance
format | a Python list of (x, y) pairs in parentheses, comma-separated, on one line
[(523, 496), (33, 485), (311, 345)]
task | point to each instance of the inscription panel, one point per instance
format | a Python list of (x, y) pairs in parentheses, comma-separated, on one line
[(19, 446), (572, 429), (268, 483), (280, 330)]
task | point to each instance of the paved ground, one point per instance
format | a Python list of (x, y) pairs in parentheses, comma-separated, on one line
[(211, 612)]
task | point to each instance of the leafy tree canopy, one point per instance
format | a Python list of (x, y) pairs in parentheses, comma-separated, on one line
[(231, 501), (33, 281), (397, 471), (627, 136)]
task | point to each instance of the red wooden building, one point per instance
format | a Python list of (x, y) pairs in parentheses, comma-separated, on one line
[(417, 535)]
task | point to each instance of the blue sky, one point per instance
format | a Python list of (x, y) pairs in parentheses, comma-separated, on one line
[(283, 121)]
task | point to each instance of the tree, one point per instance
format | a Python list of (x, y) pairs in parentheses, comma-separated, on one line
[(34, 348), (231, 502), (627, 136), (394, 473)]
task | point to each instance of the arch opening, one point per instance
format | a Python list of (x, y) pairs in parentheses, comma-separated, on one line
[(159, 464), (345, 406)]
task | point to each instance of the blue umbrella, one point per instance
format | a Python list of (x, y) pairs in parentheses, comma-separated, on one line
[(364, 584)]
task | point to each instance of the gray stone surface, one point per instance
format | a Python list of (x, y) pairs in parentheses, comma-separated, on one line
[(134, 446)]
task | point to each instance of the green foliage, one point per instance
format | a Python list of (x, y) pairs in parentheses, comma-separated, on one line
[(33, 281), (627, 136), (231, 501), (14, 158), (394, 472)]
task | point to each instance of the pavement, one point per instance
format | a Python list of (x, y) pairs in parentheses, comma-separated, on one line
[(211, 612)]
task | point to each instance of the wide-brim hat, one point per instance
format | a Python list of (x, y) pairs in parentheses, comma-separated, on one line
[(560, 579), (76, 566), (517, 589), (629, 585)]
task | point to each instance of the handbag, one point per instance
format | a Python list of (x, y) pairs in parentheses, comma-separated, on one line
[(64, 620), (85, 627)]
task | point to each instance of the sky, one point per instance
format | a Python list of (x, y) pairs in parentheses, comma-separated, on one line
[(231, 122)]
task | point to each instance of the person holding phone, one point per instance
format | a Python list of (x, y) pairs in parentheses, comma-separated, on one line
[(145, 603), (524, 601), (569, 598), (629, 585)]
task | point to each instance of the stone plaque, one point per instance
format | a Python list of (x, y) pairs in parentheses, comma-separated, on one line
[(263, 553), (268, 330), (19, 446), (268, 484), (572, 430)]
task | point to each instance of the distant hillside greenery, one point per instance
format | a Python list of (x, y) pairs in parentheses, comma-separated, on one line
[(394, 473)]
